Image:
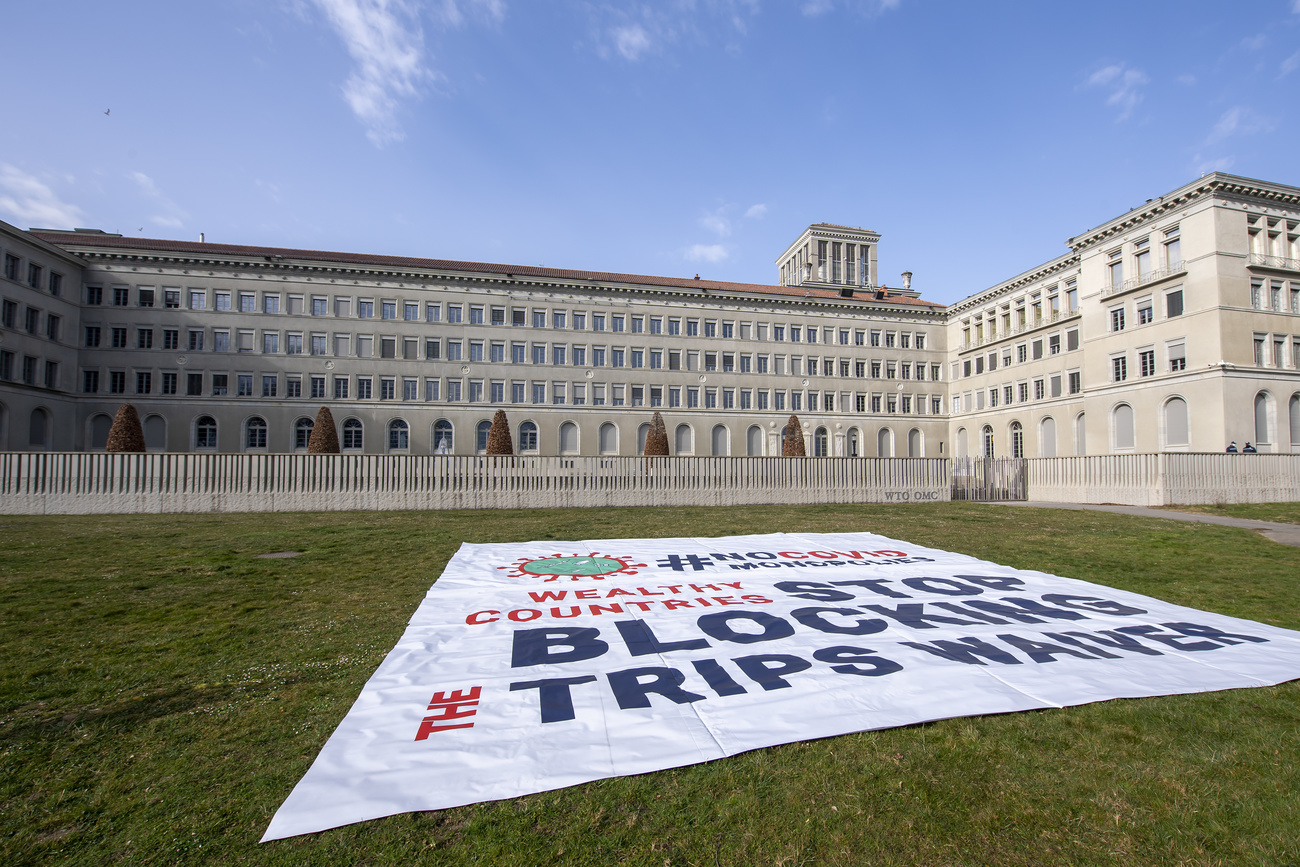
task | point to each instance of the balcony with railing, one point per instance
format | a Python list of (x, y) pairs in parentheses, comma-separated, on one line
[(1153, 276), (1281, 263), (1050, 318)]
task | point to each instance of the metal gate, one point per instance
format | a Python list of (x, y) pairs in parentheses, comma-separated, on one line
[(989, 480)]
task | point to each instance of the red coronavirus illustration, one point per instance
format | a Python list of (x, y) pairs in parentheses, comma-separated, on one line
[(572, 566)]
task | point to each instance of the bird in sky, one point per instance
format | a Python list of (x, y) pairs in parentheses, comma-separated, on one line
[(107, 110)]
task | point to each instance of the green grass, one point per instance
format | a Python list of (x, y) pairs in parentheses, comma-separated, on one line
[(1286, 513), (161, 691)]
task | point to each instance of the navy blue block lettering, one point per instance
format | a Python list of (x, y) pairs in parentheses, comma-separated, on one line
[(534, 646), (631, 692), (946, 586), (850, 660), (1091, 603), (769, 670), (554, 695), (967, 650), (1042, 651), (641, 641), (718, 625), (717, 678), (814, 590), (913, 614), (815, 618)]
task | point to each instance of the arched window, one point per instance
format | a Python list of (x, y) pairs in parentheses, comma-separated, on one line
[(100, 425), (352, 434), (481, 431), (608, 440), (399, 435), (155, 433), (684, 438), (1295, 419), (38, 430), (915, 446), (442, 437), (987, 436), (528, 437), (754, 441), (1122, 424), (1017, 440), (568, 438), (821, 444), (1080, 435), (642, 432), (961, 442), (1047, 438), (1176, 426), (255, 433), (854, 449), (302, 432), (885, 443), (205, 432), (721, 441), (1263, 430)]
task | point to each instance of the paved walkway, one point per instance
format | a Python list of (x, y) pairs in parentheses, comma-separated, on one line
[(1286, 534)]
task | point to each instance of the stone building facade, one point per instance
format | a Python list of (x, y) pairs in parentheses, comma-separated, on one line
[(1175, 326)]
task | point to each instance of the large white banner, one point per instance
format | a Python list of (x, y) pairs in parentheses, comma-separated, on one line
[(535, 666)]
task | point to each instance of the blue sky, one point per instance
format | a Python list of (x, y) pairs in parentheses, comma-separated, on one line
[(672, 137)]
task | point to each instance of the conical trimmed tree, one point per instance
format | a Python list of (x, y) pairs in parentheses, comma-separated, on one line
[(126, 434), (792, 435), (324, 436), (656, 441), (499, 442)]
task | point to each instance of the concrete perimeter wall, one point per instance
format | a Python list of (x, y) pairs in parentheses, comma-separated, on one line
[(1166, 479), (99, 483)]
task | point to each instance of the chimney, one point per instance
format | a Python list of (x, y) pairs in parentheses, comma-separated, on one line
[(907, 280)]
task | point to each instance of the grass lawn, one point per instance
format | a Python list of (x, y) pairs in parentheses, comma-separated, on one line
[(161, 691), (1286, 513)]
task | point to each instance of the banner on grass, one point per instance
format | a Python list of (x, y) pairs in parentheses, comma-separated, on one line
[(535, 666)]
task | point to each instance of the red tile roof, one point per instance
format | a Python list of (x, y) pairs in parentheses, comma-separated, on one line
[(81, 240)]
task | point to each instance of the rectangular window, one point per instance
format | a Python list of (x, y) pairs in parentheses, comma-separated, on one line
[(597, 395), (453, 390), (144, 338), (247, 302), (388, 309), (1173, 251), (1117, 319), (638, 358), (364, 388), (1119, 368), (244, 385), (433, 312), (194, 384), (475, 314), (1259, 350), (656, 325), (1055, 383), (453, 350), (117, 381), (121, 296), (365, 310), (292, 386), (270, 385), (411, 348), (293, 344), (597, 323), (1054, 344), (144, 297), (539, 353), (92, 336), (169, 383), (411, 312), (778, 401), (1075, 381), (89, 378), (497, 392), (1022, 391), (432, 389), (388, 388), (579, 324), (579, 356), (244, 341), (616, 357), (1147, 362), (557, 353), (539, 393), (318, 344), (539, 318), (433, 349), (1257, 293), (220, 384), (1146, 314), (387, 347), (270, 303), (318, 387), (692, 398)]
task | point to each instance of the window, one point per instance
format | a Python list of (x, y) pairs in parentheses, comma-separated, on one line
[(270, 303), (411, 312), (169, 383), (255, 433), (11, 266), (1040, 391), (365, 310), (33, 321), (121, 296), (539, 392), (1075, 381), (1115, 269), (476, 391), (144, 298), (399, 434), (410, 388), (318, 387), (1142, 259), (1117, 319), (92, 336), (1259, 350), (244, 385), (388, 309), (1054, 344), (433, 313), (171, 338), (364, 388), (432, 389), (205, 432), (118, 336), (433, 349), (352, 434), (1173, 251), (293, 344), (302, 432), (89, 379), (1119, 368), (270, 385), (1022, 391), (453, 350), (247, 302), (1145, 312), (528, 437), (557, 353), (1017, 440), (442, 436), (1147, 362), (195, 340), (293, 386), (539, 353), (1257, 293)]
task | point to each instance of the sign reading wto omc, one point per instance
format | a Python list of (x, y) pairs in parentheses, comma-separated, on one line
[(535, 666)]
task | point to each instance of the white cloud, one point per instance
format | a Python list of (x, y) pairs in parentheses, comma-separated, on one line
[(1291, 64), (173, 217), (387, 45), (813, 8), (25, 199), (631, 41), (1253, 43), (1122, 83), (1222, 164), (756, 211), (1187, 78), (706, 253), (1240, 120), (717, 222)]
